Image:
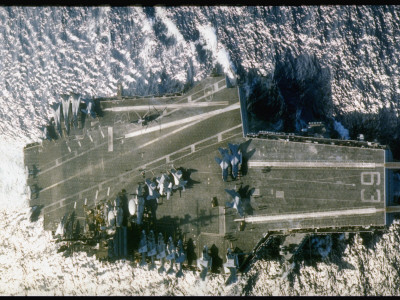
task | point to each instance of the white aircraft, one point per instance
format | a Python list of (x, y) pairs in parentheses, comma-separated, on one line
[(178, 180), (61, 227), (164, 185), (236, 203)]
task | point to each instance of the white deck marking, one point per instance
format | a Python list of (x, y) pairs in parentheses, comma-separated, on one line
[(313, 164), (173, 105), (312, 215), (110, 140), (183, 121), (102, 133), (90, 137)]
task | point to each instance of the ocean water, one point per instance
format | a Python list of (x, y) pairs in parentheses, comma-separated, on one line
[(344, 58)]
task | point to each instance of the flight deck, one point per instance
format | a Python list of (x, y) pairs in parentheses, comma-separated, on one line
[(283, 185)]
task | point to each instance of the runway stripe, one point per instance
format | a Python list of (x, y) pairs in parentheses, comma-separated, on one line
[(313, 164), (172, 105), (312, 215)]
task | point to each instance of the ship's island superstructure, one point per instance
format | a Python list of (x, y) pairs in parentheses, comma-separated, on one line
[(187, 167)]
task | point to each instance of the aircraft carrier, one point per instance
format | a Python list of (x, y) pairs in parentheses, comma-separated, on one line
[(283, 182)]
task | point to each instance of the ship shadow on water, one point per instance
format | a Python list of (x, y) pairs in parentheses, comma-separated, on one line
[(297, 92)]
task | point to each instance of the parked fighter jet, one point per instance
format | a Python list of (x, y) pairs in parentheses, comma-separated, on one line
[(224, 162), (235, 158), (180, 258), (178, 180), (57, 117), (32, 172), (232, 262), (143, 248), (139, 201), (119, 216), (231, 265), (164, 185), (161, 252), (89, 108), (33, 190), (151, 248), (171, 252), (204, 263), (45, 132), (60, 232), (236, 203), (153, 193), (148, 117)]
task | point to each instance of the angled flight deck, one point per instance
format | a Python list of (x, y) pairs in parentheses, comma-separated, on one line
[(283, 185)]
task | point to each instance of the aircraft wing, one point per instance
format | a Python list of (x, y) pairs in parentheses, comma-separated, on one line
[(223, 151), (148, 182), (234, 148), (233, 193)]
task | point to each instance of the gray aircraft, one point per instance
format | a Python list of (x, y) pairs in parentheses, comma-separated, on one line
[(32, 172), (139, 204), (151, 248), (231, 261), (236, 203), (153, 193), (235, 158), (161, 254), (143, 248), (57, 117), (231, 265), (89, 108), (171, 254), (178, 180), (204, 263), (148, 117), (180, 257), (164, 185), (119, 216), (224, 162)]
